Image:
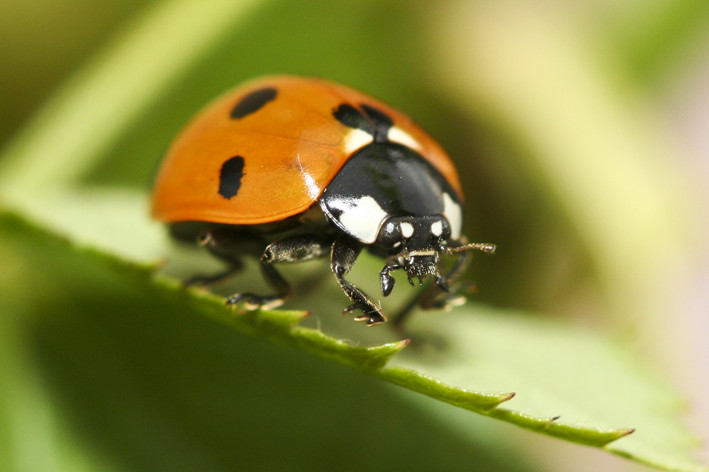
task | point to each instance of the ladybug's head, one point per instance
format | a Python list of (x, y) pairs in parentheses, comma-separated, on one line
[(414, 244), (415, 235)]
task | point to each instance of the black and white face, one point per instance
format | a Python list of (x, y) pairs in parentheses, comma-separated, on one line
[(415, 242), (420, 234)]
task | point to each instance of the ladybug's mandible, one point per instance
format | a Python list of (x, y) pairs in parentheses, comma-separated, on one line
[(288, 169)]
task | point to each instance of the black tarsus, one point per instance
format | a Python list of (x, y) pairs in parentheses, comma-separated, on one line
[(343, 256)]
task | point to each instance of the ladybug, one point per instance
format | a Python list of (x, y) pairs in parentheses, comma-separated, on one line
[(288, 169)]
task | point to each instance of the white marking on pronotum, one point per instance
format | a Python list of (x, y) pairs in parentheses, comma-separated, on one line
[(407, 229), (400, 136), (355, 139), (437, 228), (361, 218), (454, 215), (311, 186)]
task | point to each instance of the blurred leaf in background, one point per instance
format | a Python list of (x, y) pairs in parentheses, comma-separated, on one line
[(44, 43), (563, 118)]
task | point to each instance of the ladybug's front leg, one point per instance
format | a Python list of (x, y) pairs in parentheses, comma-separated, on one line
[(289, 250), (343, 256), (442, 295)]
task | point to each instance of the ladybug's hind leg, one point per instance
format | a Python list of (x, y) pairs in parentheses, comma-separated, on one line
[(289, 250), (207, 280), (226, 245)]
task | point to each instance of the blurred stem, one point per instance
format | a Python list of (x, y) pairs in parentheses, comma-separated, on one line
[(652, 36), (91, 111), (594, 148)]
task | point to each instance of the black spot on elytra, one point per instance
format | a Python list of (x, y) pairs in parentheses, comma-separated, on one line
[(381, 121), (353, 118), (372, 121), (230, 177), (253, 102)]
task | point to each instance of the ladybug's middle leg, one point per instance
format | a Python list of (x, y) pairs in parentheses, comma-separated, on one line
[(286, 251)]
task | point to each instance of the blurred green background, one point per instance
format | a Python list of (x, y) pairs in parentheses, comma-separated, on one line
[(579, 129)]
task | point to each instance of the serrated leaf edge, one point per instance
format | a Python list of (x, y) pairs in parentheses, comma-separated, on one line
[(282, 327)]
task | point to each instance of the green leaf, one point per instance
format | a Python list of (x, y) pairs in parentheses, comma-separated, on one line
[(101, 369), (567, 383)]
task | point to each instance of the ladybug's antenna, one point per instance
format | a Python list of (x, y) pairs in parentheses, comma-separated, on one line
[(487, 248)]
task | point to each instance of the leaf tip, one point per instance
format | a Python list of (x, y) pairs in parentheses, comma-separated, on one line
[(495, 400), (552, 419), (377, 357), (505, 397), (614, 435)]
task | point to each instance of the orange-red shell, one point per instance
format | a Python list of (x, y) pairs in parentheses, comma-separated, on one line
[(292, 147)]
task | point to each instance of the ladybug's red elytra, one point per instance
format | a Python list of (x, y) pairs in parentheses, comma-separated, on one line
[(288, 169)]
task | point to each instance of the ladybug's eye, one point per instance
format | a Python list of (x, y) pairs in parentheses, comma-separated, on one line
[(390, 234)]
